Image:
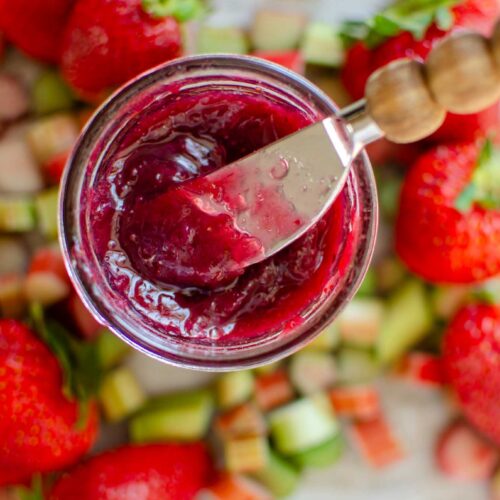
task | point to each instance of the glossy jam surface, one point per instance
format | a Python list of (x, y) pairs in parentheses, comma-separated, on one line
[(177, 264)]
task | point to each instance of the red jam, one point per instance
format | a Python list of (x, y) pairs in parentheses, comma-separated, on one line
[(175, 263)]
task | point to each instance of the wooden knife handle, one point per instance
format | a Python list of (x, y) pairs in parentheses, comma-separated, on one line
[(409, 100)]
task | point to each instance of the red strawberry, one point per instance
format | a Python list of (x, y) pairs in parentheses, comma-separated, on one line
[(376, 50), (36, 26), (151, 472), (38, 431), (461, 454), (471, 360), (448, 225), (108, 42)]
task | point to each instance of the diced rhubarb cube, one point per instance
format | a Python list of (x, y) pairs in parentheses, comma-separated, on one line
[(244, 420), (360, 322), (246, 454), (51, 136), (291, 59), (13, 256), (376, 442), (234, 487), (86, 323), (462, 454), (359, 402), (19, 172), (14, 101), (234, 388), (272, 390), (421, 368), (47, 281), (277, 30)]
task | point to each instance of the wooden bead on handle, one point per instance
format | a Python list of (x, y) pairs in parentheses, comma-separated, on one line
[(495, 45), (462, 74), (399, 101)]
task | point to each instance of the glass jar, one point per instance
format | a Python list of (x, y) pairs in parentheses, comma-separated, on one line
[(121, 315)]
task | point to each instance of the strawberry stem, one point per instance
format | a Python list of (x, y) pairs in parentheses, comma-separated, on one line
[(34, 492), (414, 16), (182, 10), (484, 187), (78, 360)]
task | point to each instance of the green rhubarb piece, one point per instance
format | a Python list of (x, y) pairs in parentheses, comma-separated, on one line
[(267, 369), (312, 371), (17, 214), (231, 40), (356, 366), (182, 10), (46, 205), (246, 454), (407, 320), (323, 46), (327, 340), (279, 476), (174, 417), (390, 274), (277, 30), (302, 425), (360, 322), (110, 349), (234, 388), (368, 287), (51, 94), (488, 291), (322, 455), (447, 300), (120, 394)]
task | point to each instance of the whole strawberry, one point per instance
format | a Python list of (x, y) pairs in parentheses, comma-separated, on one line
[(38, 423), (448, 224), (410, 28), (36, 26), (151, 472), (471, 360), (107, 42)]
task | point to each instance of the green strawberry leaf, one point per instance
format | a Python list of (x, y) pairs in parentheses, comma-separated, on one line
[(413, 16), (79, 361), (484, 187), (182, 10), (34, 492)]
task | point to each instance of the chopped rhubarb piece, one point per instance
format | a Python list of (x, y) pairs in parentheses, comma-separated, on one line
[(303, 424), (19, 172), (376, 442), (323, 45), (272, 390), (120, 394), (13, 256), (17, 214), (86, 323), (462, 454), (234, 388), (51, 136), (279, 476), (234, 487), (357, 366), (12, 299), (291, 59), (447, 300), (14, 101), (360, 322), (228, 40), (47, 281), (277, 30), (46, 205), (54, 168), (110, 349), (359, 402), (311, 371), (50, 93), (246, 454), (327, 340), (244, 420), (421, 368), (322, 455)]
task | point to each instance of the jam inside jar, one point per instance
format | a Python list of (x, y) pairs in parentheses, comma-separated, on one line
[(161, 271)]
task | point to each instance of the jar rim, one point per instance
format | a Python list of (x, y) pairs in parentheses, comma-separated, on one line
[(75, 172)]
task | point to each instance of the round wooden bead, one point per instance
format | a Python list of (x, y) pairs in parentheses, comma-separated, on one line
[(401, 104), (495, 45), (462, 74)]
